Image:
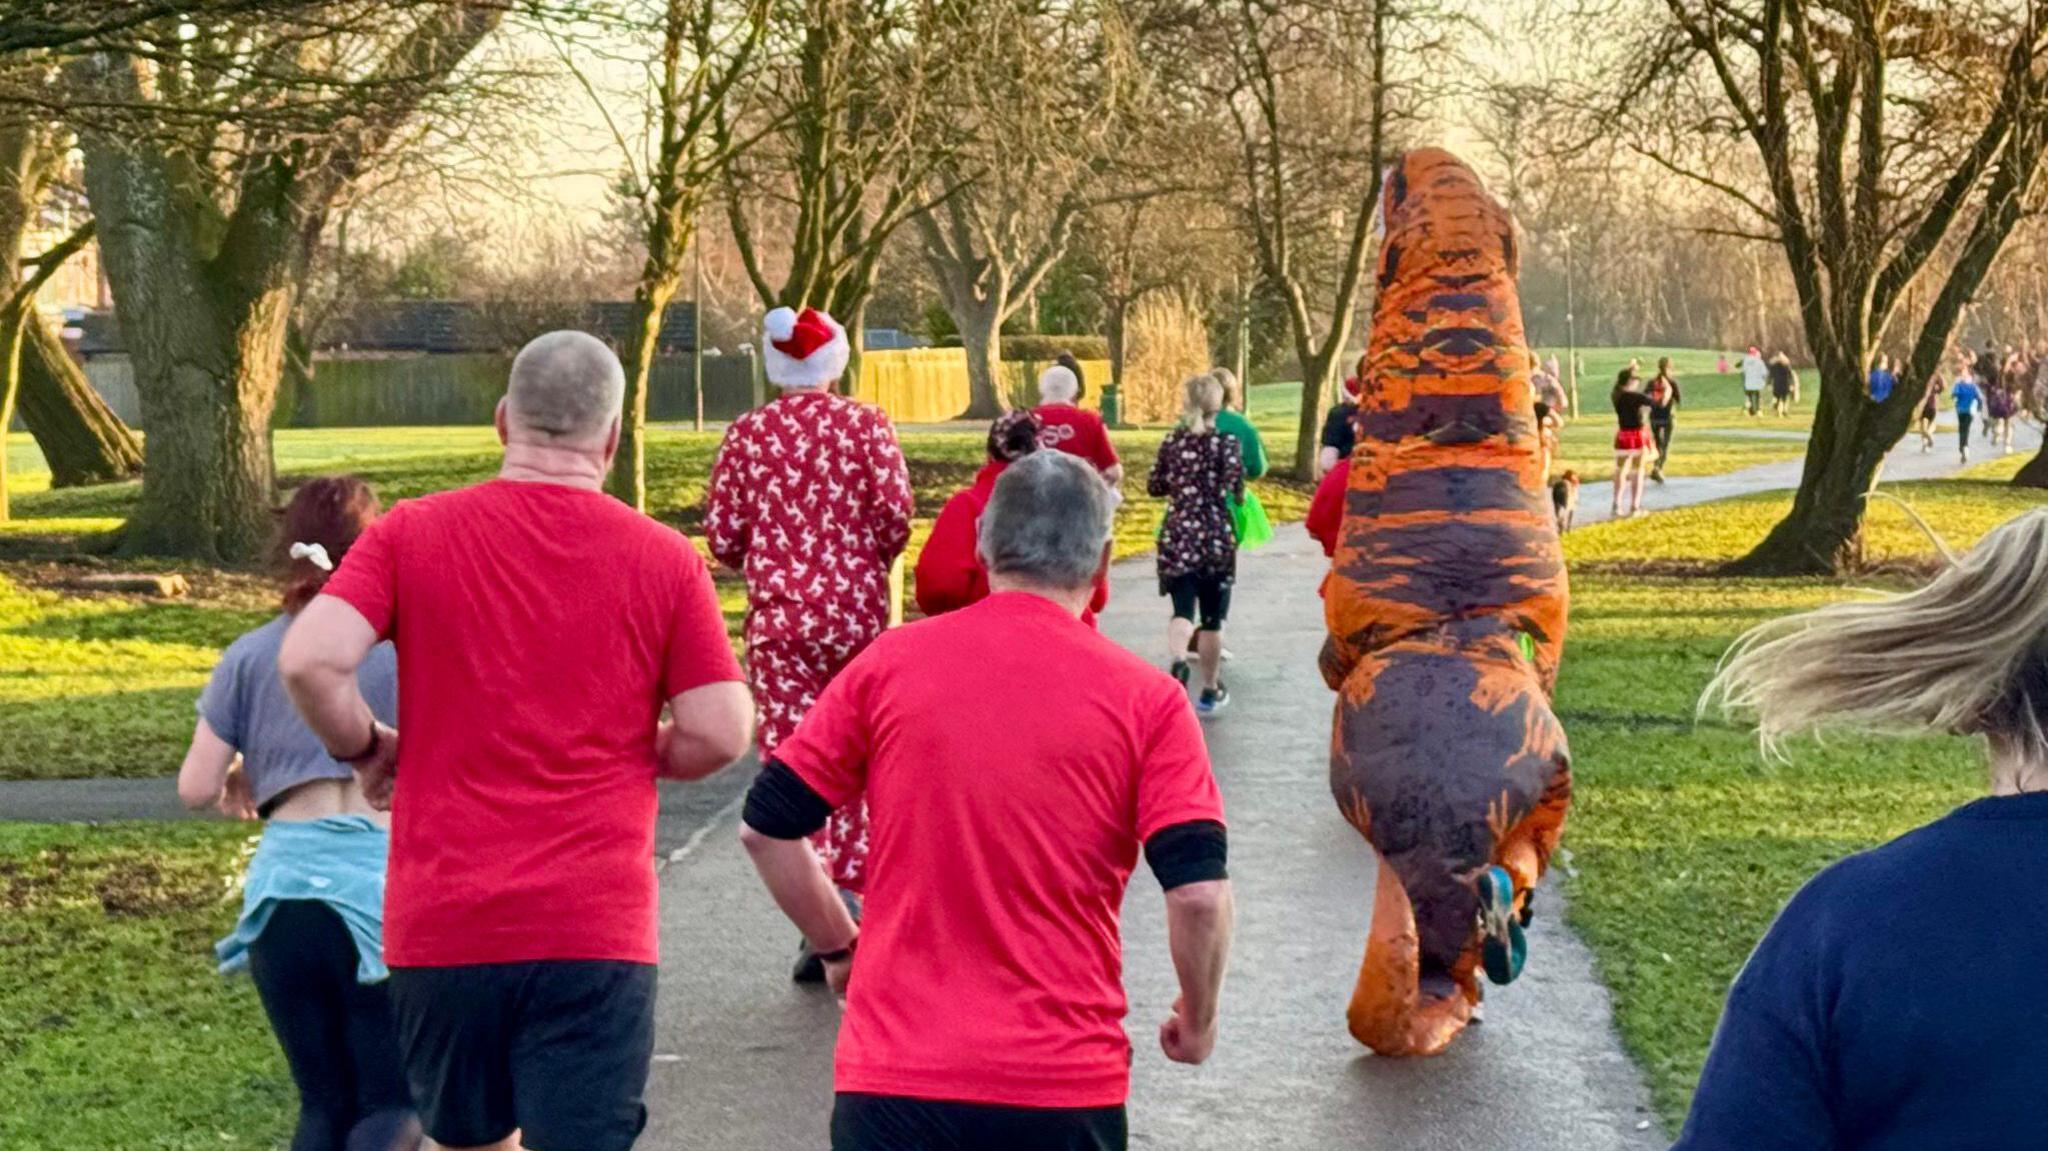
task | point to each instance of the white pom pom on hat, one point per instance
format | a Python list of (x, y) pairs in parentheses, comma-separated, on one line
[(806, 349)]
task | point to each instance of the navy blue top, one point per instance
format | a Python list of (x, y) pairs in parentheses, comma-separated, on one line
[(1899, 1003)]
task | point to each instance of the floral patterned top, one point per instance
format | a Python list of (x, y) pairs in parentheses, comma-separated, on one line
[(1197, 472)]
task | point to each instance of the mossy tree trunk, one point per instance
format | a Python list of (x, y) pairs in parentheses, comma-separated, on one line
[(81, 438), (205, 260), (205, 325)]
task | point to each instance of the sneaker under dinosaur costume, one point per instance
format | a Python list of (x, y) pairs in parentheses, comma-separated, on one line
[(1446, 609)]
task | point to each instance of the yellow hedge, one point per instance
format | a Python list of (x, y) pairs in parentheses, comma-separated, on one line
[(929, 385)]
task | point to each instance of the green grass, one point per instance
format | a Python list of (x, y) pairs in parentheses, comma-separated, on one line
[(104, 685), (1683, 841), (115, 1032)]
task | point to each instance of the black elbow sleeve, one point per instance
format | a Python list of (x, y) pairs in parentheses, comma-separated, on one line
[(780, 805), (1192, 852)]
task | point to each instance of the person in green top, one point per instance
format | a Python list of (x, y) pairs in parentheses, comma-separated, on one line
[(1253, 528)]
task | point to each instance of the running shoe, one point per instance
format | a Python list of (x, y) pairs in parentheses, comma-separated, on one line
[(1213, 700), (1180, 671), (1506, 947)]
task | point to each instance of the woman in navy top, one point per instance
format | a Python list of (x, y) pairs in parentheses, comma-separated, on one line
[(1898, 1002)]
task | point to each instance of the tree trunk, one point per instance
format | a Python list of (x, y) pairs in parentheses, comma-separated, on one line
[(1317, 376), (981, 336), (628, 480), (854, 319), (207, 388), (206, 332), (13, 324), (2034, 473), (82, 439), (1115, 313), (1823, 534)]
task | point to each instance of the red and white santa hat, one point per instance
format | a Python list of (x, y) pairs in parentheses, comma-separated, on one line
[(806, 349)]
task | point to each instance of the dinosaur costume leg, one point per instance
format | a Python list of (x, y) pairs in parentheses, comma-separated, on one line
[(1446, 606)]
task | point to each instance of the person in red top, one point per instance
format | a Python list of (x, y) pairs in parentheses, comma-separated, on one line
[(1072, 429), (1325, 520), (984, 1011), (810, 499), (949, 571), (540, 627)]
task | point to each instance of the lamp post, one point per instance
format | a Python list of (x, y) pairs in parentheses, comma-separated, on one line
[(697, 330), (1571, 329)]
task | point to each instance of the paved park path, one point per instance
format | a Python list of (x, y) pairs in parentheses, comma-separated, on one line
[(746, 1056)]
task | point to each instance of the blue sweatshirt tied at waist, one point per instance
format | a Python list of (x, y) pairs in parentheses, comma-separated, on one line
[(338, 860)]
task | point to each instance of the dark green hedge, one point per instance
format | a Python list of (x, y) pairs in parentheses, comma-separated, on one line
[(1044, 347)]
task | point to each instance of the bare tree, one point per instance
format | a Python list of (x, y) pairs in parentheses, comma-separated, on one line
[(1311, 95), (1039, 99), (1139, 247), (842, 155), (82, 440), (707, 48), (214, 154), (1899, 144)]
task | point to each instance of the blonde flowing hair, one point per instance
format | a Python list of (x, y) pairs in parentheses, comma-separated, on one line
[(1202, 398), (1966, 655)]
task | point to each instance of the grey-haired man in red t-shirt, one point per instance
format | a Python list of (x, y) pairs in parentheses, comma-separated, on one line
[(985, 1007)]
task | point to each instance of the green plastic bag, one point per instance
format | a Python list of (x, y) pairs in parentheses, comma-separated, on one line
[(1249, 517)]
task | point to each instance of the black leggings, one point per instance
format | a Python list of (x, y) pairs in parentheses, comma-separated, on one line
[(1660, 434), (337, 1034), (1211, 594), (1963, 421)]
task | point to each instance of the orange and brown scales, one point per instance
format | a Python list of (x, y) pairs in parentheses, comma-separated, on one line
[(1446, 605), (1446, 518)]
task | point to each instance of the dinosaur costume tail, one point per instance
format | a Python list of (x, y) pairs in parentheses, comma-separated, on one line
[(1446, 609)]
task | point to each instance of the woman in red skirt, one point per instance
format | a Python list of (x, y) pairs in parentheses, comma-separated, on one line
[(1631, 441)]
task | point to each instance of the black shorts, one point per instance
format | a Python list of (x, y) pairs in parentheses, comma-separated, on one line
[(894, 1123), (1210, 593), (558, 1050)]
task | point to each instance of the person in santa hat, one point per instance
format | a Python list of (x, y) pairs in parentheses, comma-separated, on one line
[(810, 500)]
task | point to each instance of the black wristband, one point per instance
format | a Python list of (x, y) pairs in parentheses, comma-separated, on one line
[(843, 954), (376, 741)]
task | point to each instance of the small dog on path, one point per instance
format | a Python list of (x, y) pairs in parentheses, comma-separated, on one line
[(1564, 499)]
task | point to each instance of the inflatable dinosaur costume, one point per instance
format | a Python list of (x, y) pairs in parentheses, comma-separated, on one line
[(1446, 613)]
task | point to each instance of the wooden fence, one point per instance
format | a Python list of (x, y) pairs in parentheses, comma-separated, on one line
[(914, 385)]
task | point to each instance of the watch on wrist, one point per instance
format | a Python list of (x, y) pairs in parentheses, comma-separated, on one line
[(842, 955), (363, 756)]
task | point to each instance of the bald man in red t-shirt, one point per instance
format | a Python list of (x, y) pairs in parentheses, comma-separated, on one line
[(541, 626)]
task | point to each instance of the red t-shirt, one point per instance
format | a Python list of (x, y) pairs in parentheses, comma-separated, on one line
[(1077, 432), (949, 574), (1326, 511), (539, 630), (1000, 842)]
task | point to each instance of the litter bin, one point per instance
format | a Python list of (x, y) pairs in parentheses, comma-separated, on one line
[(1112, 409)]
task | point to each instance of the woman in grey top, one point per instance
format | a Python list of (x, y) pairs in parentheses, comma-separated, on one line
[(313, 900)]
